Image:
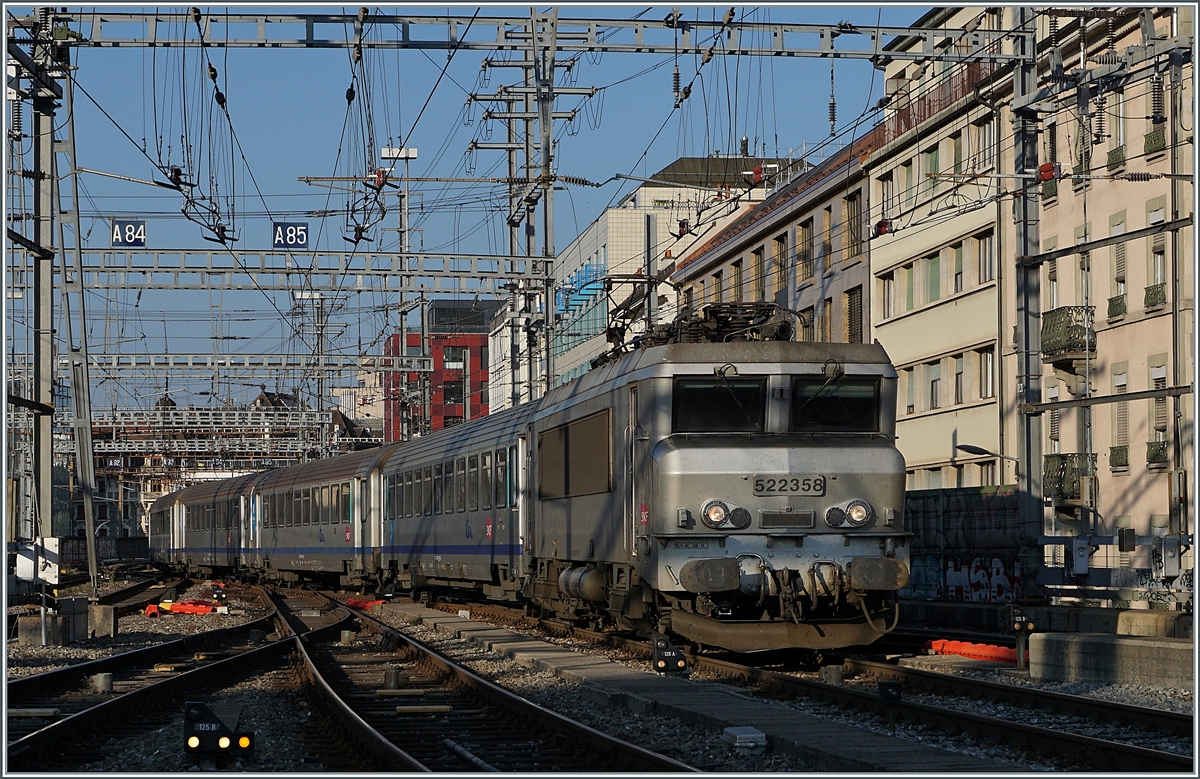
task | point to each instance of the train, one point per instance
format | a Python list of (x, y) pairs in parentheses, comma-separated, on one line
[(726, 486)]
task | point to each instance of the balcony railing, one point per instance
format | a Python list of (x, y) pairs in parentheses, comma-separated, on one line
[(1156, 453), (1062, 475), (1050, 189), (1116, 158), (1118, 456), (1156, 296), (1156, 141), (909, 113), (1068, 331), (1116, 306)]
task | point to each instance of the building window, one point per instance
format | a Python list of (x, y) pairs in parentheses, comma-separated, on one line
[(958, 267), (1119, 262), (854, 317), (483, 393), (756, 274), (910, 283), (1051, 134), (910, 186), (827, 321), (933, 373), (929, 164), (1120, 412), (888, 296), (808, 324), (804, 251), (1116, 118), (735, 289), (933, 277), (1051, 285), (985, 248), (910, 385), (985, 142), (1158, 376), (854, 225), (987, 372), (956, 142), (887, 195), (781, 263), (987, 473), (958, 379), (718, 287), (454, 358), (827, 238), (452, 391)]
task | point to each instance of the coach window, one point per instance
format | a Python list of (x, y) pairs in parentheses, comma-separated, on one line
[(397, 495), (346, 502), (326, 505), (514, 483), (501, 479), (437, 489), (473, 482), (308, 506), (408, 494), (419, 496), (576, 458), (389, 493), (719, 404), (460, 467), (335, 504), (429, 490), (208, 517), (847, 405), (294, 515), (485, 486), (448, 487)]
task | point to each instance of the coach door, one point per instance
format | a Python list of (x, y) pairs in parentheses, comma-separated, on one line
[(520, 504), (633, 527)]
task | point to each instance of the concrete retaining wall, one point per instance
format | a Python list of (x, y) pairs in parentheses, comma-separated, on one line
[(1095, 657)]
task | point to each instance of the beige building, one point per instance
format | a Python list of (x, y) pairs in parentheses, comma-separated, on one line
[(1120, 314), (805, 247)]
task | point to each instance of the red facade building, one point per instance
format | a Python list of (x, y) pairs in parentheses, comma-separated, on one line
[(457, 389)]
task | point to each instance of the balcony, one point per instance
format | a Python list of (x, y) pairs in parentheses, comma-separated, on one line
[(1050, 189), (1156, 297), (1068, 334), (1116, 307), (1156, 141), (1156, 453), (1116, 158), (1062, 476), (1118, 457)]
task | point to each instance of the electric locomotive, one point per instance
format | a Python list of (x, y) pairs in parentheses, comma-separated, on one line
[(740, 494)]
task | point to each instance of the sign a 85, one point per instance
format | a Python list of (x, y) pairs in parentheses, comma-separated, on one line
[(128, 234), (289, 235)]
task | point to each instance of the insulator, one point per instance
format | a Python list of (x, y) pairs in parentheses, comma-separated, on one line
[(357, 56), (728, 17), (832, 115), (1112, 33), (1098, 135), (1140, 175), (1054, 31), (212, 73), (196, 15), (350, 94), (1158, 102), (675, 82), (745, 146), (17, 121), (220, 98), (363, 12)]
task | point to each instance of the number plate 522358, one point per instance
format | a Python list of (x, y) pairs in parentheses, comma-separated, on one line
[(765, 484)]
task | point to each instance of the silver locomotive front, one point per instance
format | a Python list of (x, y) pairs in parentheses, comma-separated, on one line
[(779, 492)]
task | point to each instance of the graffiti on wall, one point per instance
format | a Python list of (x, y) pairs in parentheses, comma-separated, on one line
[(966, 544)]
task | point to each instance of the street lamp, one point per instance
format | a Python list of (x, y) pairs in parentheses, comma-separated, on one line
[(980, 451)]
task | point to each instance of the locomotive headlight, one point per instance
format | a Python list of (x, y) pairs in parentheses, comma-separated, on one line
[(858, 513), (714, 513), (223, 742)]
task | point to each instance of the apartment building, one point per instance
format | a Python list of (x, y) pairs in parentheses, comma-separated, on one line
[(805, 247), (1116, 319)]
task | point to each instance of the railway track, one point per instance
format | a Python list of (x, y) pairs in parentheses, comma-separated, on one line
[(48, 700), (450, 719), (1055, 741)]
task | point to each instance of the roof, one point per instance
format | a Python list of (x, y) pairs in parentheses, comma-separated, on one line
[(710, 171), (788, 194)]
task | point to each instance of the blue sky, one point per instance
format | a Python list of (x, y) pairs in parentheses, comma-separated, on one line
[(289, 113)]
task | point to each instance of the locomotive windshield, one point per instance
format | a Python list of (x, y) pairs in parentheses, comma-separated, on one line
[(839, 406), (719, 405)]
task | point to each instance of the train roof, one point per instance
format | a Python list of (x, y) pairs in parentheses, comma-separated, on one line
[(340, 468), (209, 490)]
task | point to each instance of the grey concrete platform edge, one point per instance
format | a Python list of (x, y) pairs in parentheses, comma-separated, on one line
[(817, 744)]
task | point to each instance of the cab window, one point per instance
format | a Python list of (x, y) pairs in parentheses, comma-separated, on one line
[(847, 405), (715, 404)]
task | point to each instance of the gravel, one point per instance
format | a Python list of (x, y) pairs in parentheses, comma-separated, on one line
[(134, 631)]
